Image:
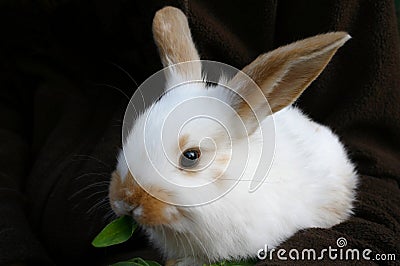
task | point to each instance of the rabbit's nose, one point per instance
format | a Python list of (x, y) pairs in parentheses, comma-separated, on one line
[(123, 208), (137, 211)]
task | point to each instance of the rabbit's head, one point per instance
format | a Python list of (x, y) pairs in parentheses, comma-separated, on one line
[(186, 148)]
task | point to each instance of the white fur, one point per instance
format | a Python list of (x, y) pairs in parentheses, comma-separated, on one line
[(311, 183)]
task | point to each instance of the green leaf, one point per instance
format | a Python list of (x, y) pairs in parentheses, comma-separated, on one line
[(153, 263), (137, 262), (242, 263), (234, 263), (125, 263), (145, 262), (118, 231)]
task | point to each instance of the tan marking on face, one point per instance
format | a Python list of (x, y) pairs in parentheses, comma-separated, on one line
[(223, 159), (221, 162), (183, 141), (115, 191), (191, 172), (217, 173), (153, 209)]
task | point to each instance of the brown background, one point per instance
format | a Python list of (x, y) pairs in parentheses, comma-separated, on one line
[(62, 99)]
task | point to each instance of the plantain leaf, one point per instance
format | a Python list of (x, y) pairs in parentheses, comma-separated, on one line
[(118, 231), (234, 263), (125, 263), (143, 262), (137, 262)]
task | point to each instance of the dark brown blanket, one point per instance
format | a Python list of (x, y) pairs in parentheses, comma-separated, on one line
[(63, 95)]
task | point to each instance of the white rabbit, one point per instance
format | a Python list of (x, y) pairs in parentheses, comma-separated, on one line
[(310, 183)]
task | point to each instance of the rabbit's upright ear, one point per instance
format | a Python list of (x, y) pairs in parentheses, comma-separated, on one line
[(172, 36), (282, 75)]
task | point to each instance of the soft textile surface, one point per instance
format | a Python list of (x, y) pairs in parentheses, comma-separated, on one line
[(63, 95)]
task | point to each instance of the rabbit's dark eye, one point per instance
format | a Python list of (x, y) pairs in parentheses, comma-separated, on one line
[(190, 158)]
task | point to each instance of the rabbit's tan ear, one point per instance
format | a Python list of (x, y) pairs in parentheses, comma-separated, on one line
[(283, 74), (172, 36)]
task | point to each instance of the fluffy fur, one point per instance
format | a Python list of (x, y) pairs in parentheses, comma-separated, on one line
[(311, 182)]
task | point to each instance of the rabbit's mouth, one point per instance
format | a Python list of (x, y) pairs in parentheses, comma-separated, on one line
[(129, 198), (155, 214)]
